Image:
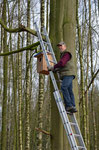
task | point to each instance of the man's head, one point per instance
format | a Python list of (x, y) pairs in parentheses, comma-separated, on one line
[(61, 46)]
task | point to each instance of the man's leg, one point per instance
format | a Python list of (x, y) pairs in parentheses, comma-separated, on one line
[(66, 83), (70, 89)]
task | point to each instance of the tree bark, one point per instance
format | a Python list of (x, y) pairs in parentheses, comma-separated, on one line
[(29, 47), (62, 28), (82, 105), (41, 84), (92, 126), (5, 75), (19, 85), (27, 143)]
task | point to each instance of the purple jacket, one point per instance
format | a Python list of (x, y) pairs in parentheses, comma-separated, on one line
[(63, 61)]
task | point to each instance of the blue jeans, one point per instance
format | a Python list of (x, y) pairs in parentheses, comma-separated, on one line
[(67, 91)]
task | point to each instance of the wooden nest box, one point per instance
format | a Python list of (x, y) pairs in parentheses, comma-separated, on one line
[(41, 62)]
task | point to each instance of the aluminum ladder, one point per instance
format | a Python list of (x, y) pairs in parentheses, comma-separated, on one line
[(69, 120)]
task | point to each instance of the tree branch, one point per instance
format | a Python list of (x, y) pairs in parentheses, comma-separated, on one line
[(94, 76), (30, 47), (20, 29), (43, 131)]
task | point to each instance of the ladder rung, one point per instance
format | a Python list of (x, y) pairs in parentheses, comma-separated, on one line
[(49, 52), (77, 135), (59, 81), (46, 43), (43, 33), (74, 124), (69, 113), (81, 147), (52, 61)]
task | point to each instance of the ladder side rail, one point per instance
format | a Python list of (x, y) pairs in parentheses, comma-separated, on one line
[(80, 138), (65, 127), (46, 58), (53, 78), (66, 123), (42, 45), (77, 129), (53, 81), (68, 131), (50, 48), (49, 45)]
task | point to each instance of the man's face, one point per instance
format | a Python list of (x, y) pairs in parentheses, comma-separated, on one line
[(62, 48)]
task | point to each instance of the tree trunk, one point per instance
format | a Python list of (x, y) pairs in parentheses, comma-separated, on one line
[(19, 84), (27, 143), (92, 114), (82, 100), (62, 28), (5, 75), (41, 86), (87, 102)]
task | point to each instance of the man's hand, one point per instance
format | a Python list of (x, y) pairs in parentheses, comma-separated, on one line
[(50, 68)]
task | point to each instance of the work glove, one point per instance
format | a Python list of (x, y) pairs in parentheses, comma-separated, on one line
[(50, 68)]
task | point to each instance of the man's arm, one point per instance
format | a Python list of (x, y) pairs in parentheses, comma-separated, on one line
[(63, 61)]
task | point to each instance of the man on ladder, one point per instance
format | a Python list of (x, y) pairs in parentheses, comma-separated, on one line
[(65, 67)]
